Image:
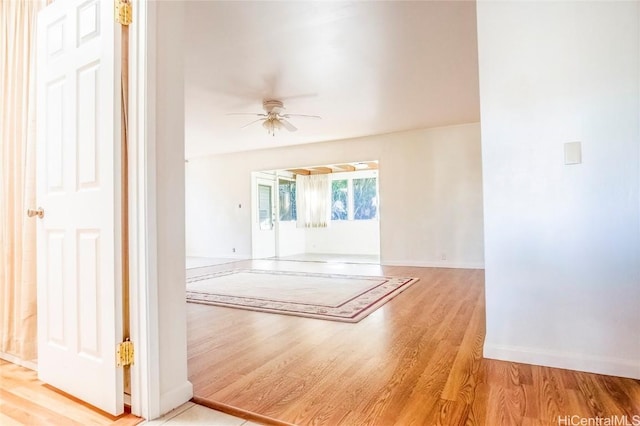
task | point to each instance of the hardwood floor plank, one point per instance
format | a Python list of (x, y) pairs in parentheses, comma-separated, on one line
[(429, 386), (592, 396), (531, 402), (24, 400), (8, 421), (602, 400), (502, 410), (32, 413), (625, 391), (551, 399), (452, 412), (527, 421), (415, 361), (461, 382), (577, 405), (478, 410), (616, 395), (57, 403)]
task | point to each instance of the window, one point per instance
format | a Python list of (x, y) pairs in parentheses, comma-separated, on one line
[(265, 219), (339, 200), (354, 198), (365, 199), (287, 199)]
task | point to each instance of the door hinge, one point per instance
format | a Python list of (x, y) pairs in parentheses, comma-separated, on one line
[(123, 12), (124, 353)]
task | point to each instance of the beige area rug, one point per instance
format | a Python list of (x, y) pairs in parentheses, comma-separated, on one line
[(347, 298), (203, 262)]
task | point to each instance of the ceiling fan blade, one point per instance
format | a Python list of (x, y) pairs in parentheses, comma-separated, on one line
[(290, 127), (247, 113), (254, 121), (300, 115)]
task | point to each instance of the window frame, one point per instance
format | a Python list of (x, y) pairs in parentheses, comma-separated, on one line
[(349, 177), (291, 180)]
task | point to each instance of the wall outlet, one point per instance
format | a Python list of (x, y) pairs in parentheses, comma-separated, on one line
[(233, 250), (443, 256)]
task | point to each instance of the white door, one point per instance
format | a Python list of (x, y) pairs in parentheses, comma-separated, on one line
[(264, 235), (79, 283)]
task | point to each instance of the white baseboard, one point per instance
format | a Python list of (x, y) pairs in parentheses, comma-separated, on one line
[(433, 264), (31, 365), (175, 397), (571, 361), (237, 256)]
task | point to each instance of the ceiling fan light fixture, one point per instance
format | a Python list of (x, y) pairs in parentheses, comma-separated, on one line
[(274, 117), (272, 124)]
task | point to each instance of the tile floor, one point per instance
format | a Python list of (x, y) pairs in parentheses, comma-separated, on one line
[(190, 414)]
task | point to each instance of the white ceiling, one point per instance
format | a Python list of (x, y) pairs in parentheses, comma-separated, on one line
[(366, 67)]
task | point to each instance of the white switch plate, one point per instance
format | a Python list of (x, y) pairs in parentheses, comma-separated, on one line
[(572, 153)]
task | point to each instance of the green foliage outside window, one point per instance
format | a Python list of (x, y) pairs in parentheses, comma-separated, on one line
[(287, 198), (339, 199), (365, 199)]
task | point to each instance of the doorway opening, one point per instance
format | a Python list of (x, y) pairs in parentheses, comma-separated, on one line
[(288, 212)]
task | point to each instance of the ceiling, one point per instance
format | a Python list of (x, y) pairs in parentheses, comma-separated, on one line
[(366, 67)]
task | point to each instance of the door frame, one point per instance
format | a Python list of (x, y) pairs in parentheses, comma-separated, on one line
[(152, 22), (143, 291), (261, 178)]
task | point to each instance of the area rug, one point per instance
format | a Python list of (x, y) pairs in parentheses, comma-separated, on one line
[(347, 298), (204, 262)]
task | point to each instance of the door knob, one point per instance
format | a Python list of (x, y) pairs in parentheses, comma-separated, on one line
[(36, 212)]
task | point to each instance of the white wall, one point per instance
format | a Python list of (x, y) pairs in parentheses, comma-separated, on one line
[(345, 237), (291, 239), (430, 185), (218, 209), (167, 144), (562, 245)]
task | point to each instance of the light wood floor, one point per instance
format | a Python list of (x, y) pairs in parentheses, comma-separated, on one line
[(24, 400), (417, 360)]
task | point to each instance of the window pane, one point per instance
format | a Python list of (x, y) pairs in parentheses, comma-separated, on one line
[(339, 200), (287, 196), (264, 207), (365, 199)]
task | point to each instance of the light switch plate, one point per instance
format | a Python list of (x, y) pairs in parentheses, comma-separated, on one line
[(572, 153)]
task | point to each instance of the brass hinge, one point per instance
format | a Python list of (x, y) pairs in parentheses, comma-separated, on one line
[(123, 12), (124, 353)]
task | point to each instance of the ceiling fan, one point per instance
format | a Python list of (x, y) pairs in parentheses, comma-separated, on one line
[(274, 118)]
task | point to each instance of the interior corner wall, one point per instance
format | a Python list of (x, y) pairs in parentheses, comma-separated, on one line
[(175, 389), (430, 194), (562, 242)]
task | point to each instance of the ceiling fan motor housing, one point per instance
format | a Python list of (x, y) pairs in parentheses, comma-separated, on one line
[(272, 105)]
